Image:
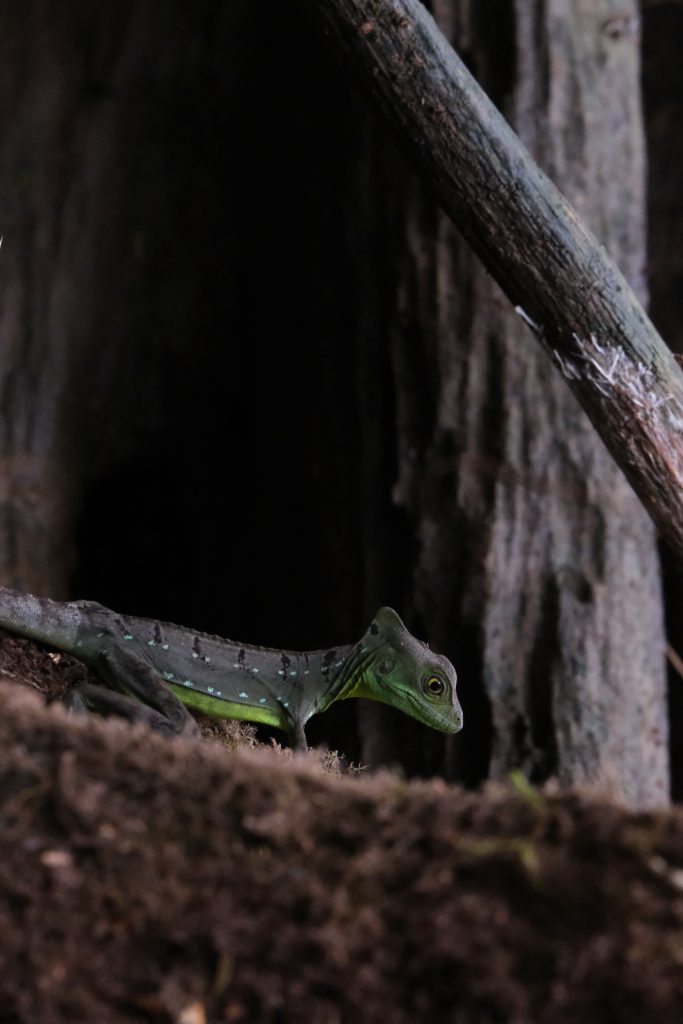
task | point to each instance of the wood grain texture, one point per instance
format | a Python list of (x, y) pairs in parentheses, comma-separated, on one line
[(534, 563), (530, 239)]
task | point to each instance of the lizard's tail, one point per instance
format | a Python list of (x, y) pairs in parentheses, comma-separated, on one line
[(52, 622)]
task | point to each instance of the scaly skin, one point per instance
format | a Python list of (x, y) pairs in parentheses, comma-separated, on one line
[(155, 669)]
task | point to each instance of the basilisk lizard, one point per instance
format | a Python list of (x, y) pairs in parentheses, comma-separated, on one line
[(154, 670)]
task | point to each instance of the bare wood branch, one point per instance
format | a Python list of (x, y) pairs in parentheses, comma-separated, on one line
[(552, 268)]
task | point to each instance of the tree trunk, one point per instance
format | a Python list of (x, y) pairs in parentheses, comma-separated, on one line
[(535, 564), (663, 105), (253, 408)]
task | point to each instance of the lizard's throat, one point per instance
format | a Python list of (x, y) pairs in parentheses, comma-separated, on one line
[(351, 680)]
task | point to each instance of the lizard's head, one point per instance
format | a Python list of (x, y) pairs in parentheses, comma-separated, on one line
[(402, 671)]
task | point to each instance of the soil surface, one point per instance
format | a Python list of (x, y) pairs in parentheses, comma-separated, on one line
[(143, 879)]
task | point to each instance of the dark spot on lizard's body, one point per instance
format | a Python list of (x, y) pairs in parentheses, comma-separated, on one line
[(125, 631), (374, 628), (328, 658), (157, 633), (240, 658), (196, 647), (286, 662)]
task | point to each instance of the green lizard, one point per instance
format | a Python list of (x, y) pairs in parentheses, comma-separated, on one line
[(156, 669)]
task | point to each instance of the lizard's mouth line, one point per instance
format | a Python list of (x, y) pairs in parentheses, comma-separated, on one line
[(445, 723), (438, 720)]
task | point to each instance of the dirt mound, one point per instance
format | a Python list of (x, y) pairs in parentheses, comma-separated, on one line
[(148, 880)]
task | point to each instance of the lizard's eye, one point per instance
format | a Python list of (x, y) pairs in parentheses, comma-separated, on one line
[(434, 686)]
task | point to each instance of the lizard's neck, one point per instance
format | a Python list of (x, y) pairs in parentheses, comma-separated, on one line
[(327, 672), (351, 663)]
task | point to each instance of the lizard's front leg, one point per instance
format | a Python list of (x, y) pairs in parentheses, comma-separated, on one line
[(297, 737), (154, 703)]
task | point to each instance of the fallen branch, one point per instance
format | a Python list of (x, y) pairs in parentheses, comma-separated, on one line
[(557, 275)]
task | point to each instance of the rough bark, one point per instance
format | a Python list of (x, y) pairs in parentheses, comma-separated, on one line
[(67, 261), (663, 108), (535, 566), (527, 236)]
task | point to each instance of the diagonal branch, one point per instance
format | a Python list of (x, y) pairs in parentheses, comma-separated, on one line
[(552, 268)]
